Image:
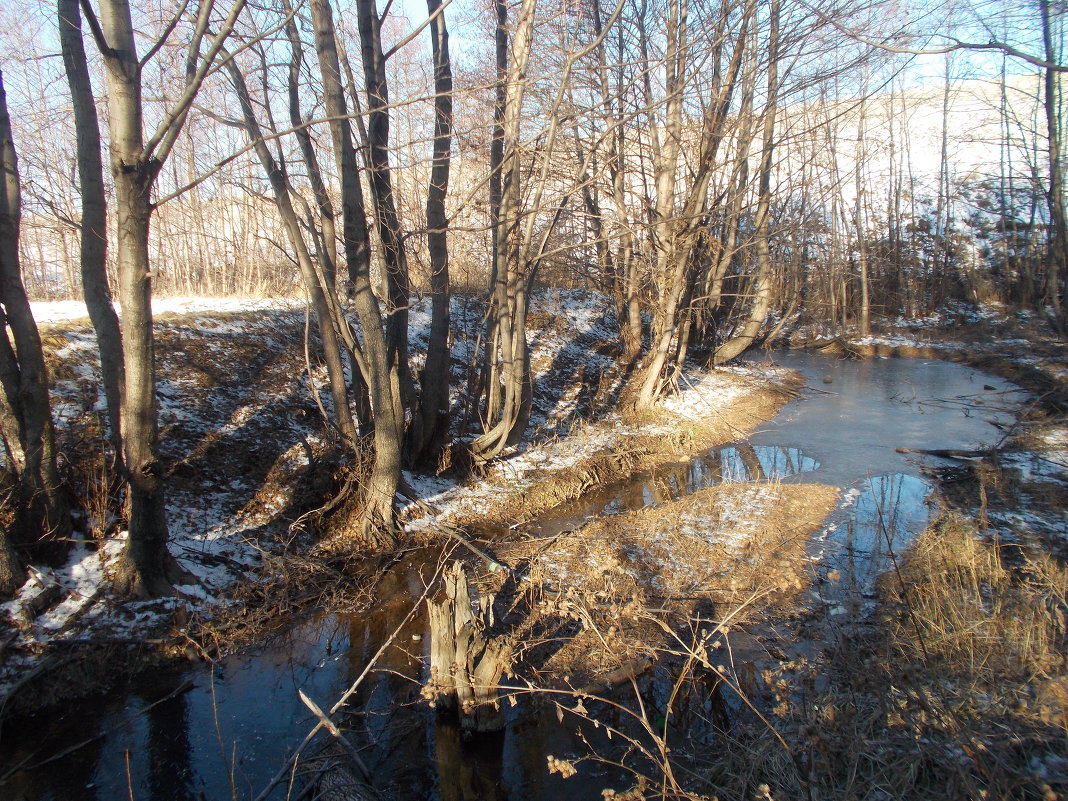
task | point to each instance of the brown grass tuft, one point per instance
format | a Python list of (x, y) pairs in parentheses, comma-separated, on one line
[(958, 690)]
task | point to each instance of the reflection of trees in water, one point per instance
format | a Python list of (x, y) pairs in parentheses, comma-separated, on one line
[(890, 511), (168, 749), (468, 770), (732, 463), (386, 715), (72, 778)]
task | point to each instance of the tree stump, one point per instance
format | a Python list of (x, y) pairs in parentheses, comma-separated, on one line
[(466, 664)]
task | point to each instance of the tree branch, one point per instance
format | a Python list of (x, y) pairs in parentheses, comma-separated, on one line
[(954, 45), (94, 26), (162, 38)]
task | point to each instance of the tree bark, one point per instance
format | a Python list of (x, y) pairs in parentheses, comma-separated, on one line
[(430, 425), (377, 519), (864, 316), (675, 244), (12, 574), (41, 512), (93, 230), (327, 241), (387, 221), (1057, 245), (663, 233), (145, 568)]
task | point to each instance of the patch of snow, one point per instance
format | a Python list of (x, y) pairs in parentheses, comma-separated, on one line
[(67, 310)]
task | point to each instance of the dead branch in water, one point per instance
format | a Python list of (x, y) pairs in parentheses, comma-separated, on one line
[(946, 453)]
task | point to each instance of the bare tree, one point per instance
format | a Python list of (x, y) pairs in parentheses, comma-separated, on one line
[(762, 291), (93, 223), (430, 424), (146, 567), (386, 219), (509, 396), (376, 519), (321, 291), (40, 512), (1057, 241)]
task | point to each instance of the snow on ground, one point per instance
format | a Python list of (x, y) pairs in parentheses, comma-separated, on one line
[(212, 535), (58, 311), (227, 387), (706, 393)]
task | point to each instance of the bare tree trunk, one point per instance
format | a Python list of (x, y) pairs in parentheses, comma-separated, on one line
[(377, 519), (858, 215), (944, 207), (315, 283), (387, 222), (675, 244), (146, 567), (745, 338), (511, 277), (1057, 252), (12, 574), (630, 315), (94, 233), (327, 241), (667, 274), (40, 509), (430, 425)]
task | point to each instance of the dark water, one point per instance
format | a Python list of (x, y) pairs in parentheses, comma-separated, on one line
[(233, 727)]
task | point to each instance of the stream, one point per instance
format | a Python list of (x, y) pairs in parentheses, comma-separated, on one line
[(231, 729)]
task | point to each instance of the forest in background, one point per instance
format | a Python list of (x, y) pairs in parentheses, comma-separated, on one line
[(724, 171)]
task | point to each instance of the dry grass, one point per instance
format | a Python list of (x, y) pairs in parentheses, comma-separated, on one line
[(615, 590), (963, 608), (959, 690)]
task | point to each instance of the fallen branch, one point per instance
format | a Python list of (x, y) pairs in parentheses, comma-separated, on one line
[(346, 746), (946, 453)]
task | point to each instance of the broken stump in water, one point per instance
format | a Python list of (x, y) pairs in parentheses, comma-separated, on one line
[(466, 663)]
